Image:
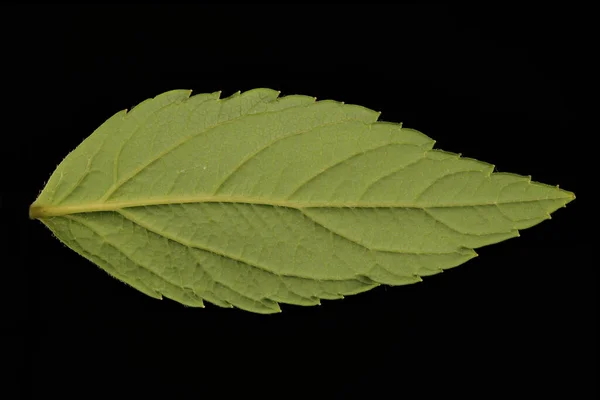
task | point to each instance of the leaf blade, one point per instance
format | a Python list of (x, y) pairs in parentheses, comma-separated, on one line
[(256, 199)]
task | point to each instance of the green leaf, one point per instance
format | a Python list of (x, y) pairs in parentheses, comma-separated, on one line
[(257, 199)]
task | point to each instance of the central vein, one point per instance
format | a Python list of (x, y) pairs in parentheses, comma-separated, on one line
[(42, 211)]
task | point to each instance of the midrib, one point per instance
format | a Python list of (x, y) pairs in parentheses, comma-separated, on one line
[(41, 211)]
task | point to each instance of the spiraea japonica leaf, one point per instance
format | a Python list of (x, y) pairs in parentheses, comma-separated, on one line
[(256, 200)]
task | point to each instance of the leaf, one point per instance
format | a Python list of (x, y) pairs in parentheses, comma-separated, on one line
[(257, 199)]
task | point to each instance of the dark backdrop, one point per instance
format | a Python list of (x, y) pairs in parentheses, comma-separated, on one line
[(493, 83)]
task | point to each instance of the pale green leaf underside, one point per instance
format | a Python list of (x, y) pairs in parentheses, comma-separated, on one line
[(257, 199)]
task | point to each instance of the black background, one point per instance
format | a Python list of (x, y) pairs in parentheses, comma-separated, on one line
[(494, 83)]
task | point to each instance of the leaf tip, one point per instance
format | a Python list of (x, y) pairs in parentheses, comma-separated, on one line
[(572, 197)]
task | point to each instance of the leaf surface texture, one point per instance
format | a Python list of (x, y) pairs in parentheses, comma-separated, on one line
[(256, 199)]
